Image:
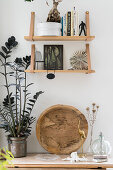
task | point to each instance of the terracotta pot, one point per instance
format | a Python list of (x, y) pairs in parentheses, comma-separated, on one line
[(17, 146)]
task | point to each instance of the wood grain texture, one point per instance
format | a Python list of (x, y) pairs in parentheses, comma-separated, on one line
[(57, 129), (62, 71), (32, 66), (59, 38), (88, 56), (87, 24), (49, 169), (33, 161), (31, 32)]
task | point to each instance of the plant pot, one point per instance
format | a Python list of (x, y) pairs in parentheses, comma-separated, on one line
[(49, 29), (17, 146)]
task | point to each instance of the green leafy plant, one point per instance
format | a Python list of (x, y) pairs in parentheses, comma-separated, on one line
[(15, 112), (6, 158)]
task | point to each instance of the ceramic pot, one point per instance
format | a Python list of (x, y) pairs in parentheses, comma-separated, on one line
[(17, 146), (49, 29)]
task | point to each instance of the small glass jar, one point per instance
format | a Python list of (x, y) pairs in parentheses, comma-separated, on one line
[(101, 146)]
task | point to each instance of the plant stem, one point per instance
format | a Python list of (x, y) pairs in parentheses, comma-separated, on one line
[(91, 136), (16, 100), (20, 111), (12, 115), (25, 94)]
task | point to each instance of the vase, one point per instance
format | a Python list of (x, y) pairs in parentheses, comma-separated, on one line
[(100, 146), (17, 146)]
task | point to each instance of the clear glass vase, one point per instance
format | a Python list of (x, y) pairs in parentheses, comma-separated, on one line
[(101, 146)]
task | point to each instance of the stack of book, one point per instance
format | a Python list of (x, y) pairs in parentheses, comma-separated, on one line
[(70, 23)]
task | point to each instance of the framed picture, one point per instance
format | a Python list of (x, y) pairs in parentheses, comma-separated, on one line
[(53, 57)]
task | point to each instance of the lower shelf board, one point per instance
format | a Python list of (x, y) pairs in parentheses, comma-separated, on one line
[(61, 71)]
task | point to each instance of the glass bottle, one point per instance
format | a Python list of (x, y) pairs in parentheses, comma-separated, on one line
[(101, 146)]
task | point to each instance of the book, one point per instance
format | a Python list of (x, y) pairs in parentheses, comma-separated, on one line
[(72, 23), (100, 156), (64, 25), (69, 23), (75, 22)]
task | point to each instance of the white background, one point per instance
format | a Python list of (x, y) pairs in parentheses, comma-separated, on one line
[(78, 90)]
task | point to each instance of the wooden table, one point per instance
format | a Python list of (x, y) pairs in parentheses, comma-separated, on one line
[(32, 162)]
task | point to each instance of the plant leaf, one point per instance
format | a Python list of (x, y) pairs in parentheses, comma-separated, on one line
[(28, 108), (2, 54), (2, 73), (4, 49), (30, 104), (33, 101), (29, 84)]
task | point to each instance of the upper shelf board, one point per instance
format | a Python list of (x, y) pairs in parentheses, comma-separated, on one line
[(59, 38)]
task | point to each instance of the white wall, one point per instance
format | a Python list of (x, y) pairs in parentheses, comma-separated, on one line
[(78, 90)]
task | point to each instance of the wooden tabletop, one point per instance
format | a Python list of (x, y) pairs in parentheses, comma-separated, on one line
[(36, 161)]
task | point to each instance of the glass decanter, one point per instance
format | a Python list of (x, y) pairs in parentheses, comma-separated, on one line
[(101, 146)]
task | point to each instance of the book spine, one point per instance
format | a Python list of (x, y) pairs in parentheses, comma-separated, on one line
[(66, 22), (72, 23), (69, 24), (77, 23), (64, 26)]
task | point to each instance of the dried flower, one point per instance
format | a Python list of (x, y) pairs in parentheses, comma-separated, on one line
[(87, 108), (91, 116)]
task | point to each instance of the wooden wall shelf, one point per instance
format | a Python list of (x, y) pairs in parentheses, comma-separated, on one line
[(59, 38), (61, 71), (32, 37), (32, 66)]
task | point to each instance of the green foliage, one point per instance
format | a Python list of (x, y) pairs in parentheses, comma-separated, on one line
[(15, 112), (6, 158)]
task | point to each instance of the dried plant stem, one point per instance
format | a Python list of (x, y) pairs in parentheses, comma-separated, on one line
[(91, 114)]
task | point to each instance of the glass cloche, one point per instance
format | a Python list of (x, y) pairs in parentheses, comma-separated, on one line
[(101, 146)]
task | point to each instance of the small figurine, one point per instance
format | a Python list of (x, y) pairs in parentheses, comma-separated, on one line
[(82, 27), (54, 14)]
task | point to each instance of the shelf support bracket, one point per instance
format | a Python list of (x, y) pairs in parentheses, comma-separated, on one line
[(32, 67), (87, 24), (88, 57), (31, 33)]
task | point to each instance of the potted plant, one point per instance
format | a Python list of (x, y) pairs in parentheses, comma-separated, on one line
[(52, 27), (17, 106)]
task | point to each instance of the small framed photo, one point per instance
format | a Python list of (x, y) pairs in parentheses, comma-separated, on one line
[(53, 57)]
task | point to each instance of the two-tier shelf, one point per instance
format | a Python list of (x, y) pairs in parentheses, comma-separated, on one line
[(31, 37)]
